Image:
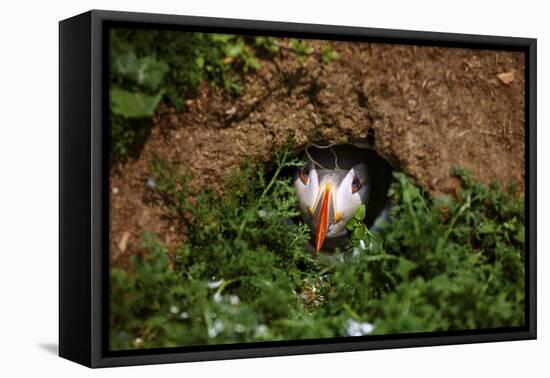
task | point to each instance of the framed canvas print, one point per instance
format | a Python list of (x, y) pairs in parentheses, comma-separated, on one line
[(233, 188)]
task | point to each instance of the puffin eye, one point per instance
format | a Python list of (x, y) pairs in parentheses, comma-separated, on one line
[(355, 184), (304, 175)]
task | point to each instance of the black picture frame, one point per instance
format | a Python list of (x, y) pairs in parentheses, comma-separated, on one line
[(83, 196)]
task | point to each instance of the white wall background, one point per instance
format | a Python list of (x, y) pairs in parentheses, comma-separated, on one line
[(29, 186)]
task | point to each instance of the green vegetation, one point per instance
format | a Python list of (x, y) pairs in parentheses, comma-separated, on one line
[(245, 275), (301, 48), (328, 54)]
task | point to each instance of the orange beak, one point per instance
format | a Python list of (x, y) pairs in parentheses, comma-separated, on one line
[(322, 221)]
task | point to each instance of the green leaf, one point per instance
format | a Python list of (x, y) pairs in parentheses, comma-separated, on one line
[(131, 104), (360, 213), (351, 225), (234, 49), (269, 44), (520, 234), (199, 62), (358, 233), (328, 55), (224, 38), (146, 72), (404, 267)]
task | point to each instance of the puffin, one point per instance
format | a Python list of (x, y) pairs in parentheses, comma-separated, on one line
[(332, 182)]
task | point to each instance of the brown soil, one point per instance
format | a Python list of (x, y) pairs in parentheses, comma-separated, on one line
[(425, 109)]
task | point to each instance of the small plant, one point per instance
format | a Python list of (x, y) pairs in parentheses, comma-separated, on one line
[(359, 233), (267, 44), (301, 48), (328, 54), (134, 93)]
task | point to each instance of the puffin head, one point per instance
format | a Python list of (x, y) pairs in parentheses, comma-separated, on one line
[(329, 198)]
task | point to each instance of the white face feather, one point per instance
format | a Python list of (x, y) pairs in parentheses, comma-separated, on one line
[(348, 202), (307, 192)]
